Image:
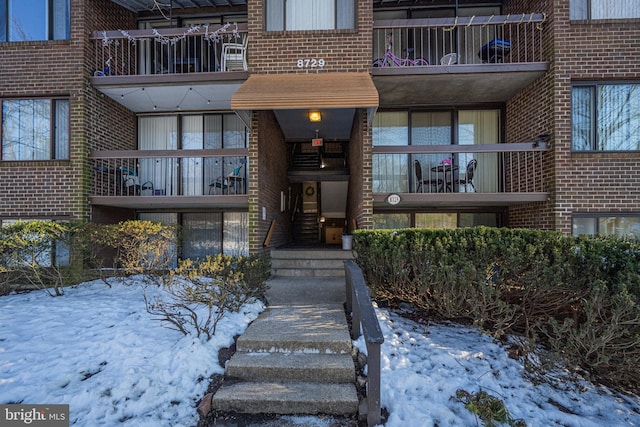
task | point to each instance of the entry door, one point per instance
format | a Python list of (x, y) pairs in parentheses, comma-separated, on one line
[(309, 197)]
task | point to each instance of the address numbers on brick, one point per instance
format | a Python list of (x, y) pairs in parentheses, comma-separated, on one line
[(311, 63)]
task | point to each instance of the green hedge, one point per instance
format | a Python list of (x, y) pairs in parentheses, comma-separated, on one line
[(578, 295)]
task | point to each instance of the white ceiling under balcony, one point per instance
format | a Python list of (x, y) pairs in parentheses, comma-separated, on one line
[(149, 5)]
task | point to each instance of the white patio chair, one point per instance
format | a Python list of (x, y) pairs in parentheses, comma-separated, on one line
[(234, 56)]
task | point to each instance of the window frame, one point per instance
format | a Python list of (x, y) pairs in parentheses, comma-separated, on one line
[(595, 142), (52, 7), (581, 10), (596, 217), (54, 119), (283, 16)]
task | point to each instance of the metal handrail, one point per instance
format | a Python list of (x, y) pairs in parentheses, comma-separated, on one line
[(363, 315)]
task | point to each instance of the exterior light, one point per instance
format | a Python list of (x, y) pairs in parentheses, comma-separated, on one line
[(315, 116)]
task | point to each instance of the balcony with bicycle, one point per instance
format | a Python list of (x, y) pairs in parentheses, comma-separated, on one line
[(156, 179), (473, 59), (459, 176), (167, 69)]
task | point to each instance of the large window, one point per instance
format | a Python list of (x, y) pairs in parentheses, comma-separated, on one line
[(605, 117), (604, 9), (206, 233), (434, 220), (607, 225), (35, 129), (24, 20), (294, 15)]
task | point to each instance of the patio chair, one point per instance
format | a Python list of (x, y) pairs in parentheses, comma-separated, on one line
[(234, 56), (233, 180), (420, 182), (130, 181), (467, 178)]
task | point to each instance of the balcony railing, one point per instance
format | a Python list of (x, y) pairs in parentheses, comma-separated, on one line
[(460, 40), (169, 173), (196, 49), (494, 168)]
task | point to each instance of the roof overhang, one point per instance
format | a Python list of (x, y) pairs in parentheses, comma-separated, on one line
[(171, 93)]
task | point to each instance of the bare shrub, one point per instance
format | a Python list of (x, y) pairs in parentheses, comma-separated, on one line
[(200, 293)]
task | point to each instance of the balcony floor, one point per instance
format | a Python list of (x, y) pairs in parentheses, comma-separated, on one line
[(454, 84), (414, 201), (240, 201)]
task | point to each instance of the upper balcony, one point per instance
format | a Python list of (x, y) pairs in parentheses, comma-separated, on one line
[(186, 69), (461, 60)]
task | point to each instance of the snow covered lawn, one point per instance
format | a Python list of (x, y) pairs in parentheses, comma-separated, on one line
[(98, 350)]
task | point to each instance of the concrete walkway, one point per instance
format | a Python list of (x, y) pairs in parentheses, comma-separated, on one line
[(303, 313)]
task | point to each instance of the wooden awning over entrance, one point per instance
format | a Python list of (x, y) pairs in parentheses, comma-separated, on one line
[(300, 91)]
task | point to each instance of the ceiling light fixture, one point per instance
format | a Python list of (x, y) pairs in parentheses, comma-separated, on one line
[(315, 116)]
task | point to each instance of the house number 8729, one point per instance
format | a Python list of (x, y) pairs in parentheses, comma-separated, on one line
[(311, 63)]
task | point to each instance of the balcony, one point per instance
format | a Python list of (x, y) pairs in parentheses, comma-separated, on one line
[(468, 60), (155, 179), (171, 69), (458, 176)]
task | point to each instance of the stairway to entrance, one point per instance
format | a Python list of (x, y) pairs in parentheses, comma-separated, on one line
[(309, 261), (296, 357)]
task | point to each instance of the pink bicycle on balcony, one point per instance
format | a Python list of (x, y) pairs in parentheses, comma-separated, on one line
[(391, 60)]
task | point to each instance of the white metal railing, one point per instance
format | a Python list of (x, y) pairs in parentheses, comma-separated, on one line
[(491, 168), (462, 40), (184, 50), (169, 172)]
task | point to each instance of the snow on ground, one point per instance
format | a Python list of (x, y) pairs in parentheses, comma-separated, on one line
[(423, 367), (98, 350)]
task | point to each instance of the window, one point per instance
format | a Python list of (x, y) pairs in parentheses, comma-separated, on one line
[(607, 225), (206, 233), (605, 117), (24, 20), (388, 221), (604, 9), (293, 15), (35, 129)]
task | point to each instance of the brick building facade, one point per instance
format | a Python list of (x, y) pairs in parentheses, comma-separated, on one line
[(164, 121)]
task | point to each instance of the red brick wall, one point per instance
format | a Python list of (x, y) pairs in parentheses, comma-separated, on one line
[(58, 189), (596, 51), (529, 114), (278, 52), (268, 156), (360, 198)]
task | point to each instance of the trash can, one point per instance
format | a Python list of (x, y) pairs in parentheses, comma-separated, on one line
[(347, 241)]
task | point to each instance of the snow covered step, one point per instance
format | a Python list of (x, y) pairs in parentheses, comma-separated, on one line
[(317, 329), (287, 398), (322, 368)]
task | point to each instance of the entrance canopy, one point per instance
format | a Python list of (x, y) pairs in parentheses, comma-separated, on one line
[(291, 96), (304, 91)]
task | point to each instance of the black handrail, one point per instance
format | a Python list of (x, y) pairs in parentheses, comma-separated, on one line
[(362, 314)]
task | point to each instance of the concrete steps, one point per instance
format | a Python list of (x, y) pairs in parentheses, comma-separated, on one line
[(292, 360), (301, 262)]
